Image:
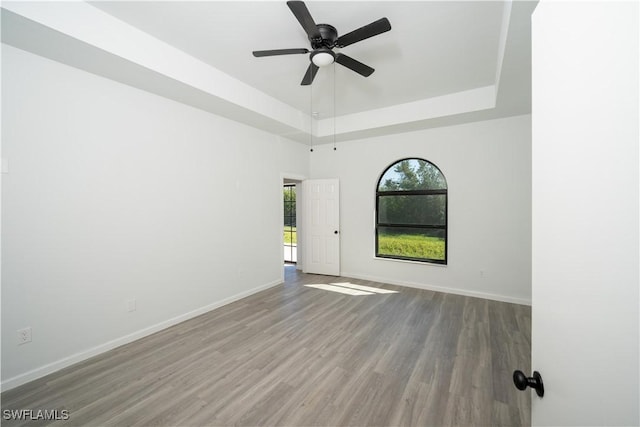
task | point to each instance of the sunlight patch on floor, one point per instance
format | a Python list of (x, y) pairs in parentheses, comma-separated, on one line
[(339, 289), (366, 288), (351, 289)]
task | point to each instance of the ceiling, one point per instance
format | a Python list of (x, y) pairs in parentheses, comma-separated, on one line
[(434, 48), (443, 62)]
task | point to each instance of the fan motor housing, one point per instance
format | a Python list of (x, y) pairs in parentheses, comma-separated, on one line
[(328, 34)]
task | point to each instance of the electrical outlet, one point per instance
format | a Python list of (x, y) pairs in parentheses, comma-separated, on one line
[(24, 335), (131, 305)]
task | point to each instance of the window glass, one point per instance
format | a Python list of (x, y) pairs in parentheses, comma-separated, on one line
[(412, 174), (411, 212), (415, 209), (411, 243)]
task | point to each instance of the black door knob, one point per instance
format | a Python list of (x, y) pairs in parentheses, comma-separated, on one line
[(335, 232), (535, 382)]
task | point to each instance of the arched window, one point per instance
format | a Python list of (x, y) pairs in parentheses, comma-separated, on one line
[(411, 212)]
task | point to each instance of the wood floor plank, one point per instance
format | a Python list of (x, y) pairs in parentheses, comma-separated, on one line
[(294, 355)]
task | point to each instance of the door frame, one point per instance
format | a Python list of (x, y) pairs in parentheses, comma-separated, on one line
[(298, 179)]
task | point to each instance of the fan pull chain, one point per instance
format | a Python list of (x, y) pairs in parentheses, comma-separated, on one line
[(311, 117), (334, 106)]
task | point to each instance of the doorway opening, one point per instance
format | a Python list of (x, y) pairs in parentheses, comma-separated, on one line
[(290, 224)]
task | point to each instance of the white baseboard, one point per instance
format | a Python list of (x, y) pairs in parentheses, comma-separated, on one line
[(456, 291), (50, 368)]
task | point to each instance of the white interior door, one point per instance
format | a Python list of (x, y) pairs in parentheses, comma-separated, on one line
[(322, 226), (585, 213)]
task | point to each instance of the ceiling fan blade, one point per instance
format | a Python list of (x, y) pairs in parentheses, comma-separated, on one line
[(259, 53), (310, 74), (301, 12), (380, 26), (354, 65)]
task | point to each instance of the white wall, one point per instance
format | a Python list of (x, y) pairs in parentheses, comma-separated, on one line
[(585, 331), (488, 170), (114, 193)]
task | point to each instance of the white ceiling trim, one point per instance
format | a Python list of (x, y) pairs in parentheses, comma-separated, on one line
[(96, 28), (502, 46), (468, 101), (107, 46)]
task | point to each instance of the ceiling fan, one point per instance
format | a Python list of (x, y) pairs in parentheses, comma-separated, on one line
[(323, 38)]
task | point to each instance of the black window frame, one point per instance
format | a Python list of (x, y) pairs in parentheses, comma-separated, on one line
[(444, 227)]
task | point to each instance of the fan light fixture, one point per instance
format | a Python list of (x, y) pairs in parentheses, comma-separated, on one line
[(324, 38), (323, 57)]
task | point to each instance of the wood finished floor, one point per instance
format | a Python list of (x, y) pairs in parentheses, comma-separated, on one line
[(299, 356)]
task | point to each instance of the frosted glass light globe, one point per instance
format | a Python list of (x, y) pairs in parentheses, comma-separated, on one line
[(322, 58)]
